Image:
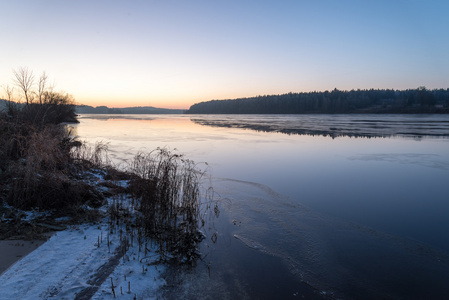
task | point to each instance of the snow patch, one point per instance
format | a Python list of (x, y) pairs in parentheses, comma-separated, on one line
[(63, 266)]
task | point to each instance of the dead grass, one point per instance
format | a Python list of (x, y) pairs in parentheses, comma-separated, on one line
[(44, 167), (37, 167), (165, 191)]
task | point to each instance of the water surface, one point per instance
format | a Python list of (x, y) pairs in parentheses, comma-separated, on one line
[(356, 206)]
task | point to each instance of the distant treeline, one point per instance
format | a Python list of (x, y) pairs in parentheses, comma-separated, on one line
[(420, 100), (86, 109)]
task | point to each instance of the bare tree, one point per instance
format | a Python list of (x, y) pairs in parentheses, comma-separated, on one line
[(9, 92), (41, 86), (10, 105), (24, 79)]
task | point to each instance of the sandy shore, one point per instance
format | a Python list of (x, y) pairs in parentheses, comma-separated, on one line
[(12, 251)]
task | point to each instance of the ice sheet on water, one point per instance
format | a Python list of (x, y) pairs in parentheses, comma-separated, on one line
[(354, 125), (250, 243), (332, 255)]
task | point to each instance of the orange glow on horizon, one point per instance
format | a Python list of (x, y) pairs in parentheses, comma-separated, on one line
[(123, 104)]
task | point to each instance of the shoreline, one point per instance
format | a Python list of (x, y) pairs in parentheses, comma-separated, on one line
[(14, 250)]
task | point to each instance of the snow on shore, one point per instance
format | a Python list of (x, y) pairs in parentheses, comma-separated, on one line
[(67, 263)]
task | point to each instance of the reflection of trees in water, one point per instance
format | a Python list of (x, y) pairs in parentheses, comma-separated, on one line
[(363, 128)]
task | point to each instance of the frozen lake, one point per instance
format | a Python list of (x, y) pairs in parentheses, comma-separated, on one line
[(352, 206)]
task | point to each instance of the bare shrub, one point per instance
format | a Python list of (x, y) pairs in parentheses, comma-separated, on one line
[(37, 169), (41, 105)]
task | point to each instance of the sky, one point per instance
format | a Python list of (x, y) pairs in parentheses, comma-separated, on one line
[(173, 54)]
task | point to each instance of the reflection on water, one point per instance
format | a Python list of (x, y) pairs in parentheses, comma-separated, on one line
[(336, 125), (358, 218)]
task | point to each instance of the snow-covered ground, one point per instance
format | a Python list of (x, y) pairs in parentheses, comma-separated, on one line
[(69, 264), (87, 261)]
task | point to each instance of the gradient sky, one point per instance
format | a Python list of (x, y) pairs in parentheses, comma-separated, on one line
[(176, 53)]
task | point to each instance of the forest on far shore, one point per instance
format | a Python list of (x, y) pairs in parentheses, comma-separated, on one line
[(420, 100)]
